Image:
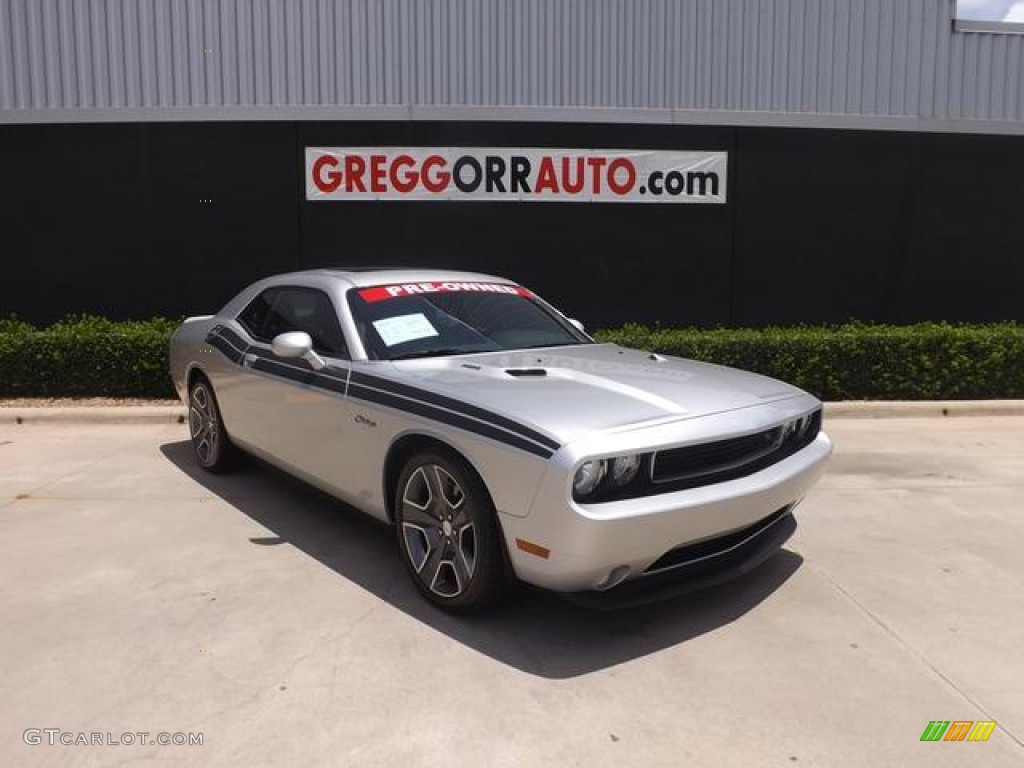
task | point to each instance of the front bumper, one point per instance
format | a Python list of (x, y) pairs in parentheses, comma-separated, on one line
[(587, 543), (726, 558)]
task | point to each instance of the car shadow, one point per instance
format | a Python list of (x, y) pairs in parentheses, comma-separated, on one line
[(534, 631)]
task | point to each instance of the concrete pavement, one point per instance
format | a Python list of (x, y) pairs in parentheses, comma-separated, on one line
[(138, 594)]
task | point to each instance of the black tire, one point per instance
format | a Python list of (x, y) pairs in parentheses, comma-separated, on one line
[(211, 445), (448, 532)]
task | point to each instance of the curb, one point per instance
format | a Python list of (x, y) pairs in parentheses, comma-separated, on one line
[(922, 409), (105, 414), (175, 414)]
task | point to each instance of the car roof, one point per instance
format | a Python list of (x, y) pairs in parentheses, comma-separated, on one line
[(341, 279), (361, 277)]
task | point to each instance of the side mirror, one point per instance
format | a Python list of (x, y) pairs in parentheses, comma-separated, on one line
[(576, 324), (297, 344)]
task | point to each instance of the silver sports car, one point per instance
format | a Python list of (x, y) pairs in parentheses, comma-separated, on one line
[(497, 437)]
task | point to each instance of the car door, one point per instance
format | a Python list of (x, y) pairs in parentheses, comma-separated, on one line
[(283, 409)]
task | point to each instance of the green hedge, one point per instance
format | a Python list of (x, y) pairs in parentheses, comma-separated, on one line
[(929, 361), (90, 356), (86, 356)]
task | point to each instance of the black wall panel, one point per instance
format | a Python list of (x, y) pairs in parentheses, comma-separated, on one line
[(820, 225), (74, 219), (818, 219), (966, 254), (202, 253), (113, 219)]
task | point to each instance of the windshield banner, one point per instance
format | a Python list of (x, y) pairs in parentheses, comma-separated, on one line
[(381, 292), (511, 175)]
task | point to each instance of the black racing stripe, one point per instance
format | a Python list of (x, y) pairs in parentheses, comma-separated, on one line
[(397, 402), (213, 334), (224, 348), (454, 405), (330, 383), (397, 397), (303, 373), (297, 363), (289, 372), (231, 336)]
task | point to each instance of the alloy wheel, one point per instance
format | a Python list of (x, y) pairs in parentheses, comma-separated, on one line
[(204, 424), (438, 531)]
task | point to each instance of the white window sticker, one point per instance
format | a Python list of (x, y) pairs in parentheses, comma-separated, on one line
[(397, 330)]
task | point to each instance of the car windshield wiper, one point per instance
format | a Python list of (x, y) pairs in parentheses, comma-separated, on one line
[(436, 352), (556, 344)]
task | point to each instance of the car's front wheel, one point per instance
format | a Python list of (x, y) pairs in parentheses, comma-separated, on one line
[(448, 532), (210, 443)]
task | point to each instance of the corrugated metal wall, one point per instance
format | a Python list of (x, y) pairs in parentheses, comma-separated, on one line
[(828, 57)]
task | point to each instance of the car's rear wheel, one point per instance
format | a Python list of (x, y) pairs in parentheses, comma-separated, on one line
[(448, 532), (210, 443)]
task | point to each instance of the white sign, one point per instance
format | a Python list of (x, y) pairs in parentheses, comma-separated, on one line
[(403, 328), (524, 175)]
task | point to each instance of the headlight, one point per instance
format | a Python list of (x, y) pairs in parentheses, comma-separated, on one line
[(624, 469), (589, 476), (617, 477)]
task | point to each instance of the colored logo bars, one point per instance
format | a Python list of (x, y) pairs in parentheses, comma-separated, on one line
[(958, 730)]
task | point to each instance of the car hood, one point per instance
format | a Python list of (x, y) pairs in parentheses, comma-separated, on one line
[(578, 391)]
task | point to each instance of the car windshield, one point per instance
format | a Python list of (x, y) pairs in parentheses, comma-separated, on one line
[(402, 322)]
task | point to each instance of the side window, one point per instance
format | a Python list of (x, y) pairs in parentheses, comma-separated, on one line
[(254, 316), (280, 310)]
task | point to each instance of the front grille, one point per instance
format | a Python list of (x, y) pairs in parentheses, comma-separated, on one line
[(722, 460), (681, 463)]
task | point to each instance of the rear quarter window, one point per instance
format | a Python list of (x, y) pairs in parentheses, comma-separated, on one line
[(254, 317)]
